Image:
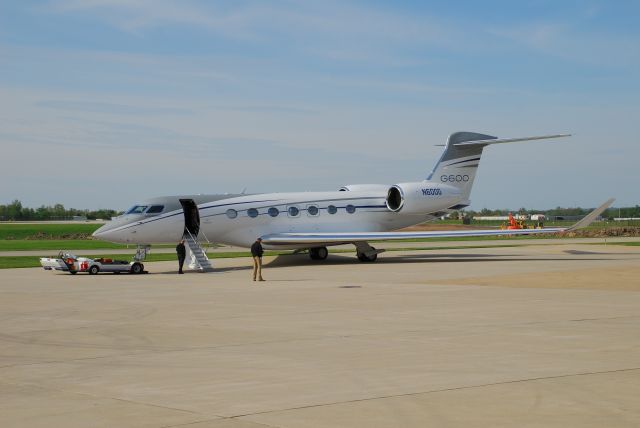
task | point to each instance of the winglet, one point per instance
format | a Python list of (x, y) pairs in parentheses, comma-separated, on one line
[(589, 218)]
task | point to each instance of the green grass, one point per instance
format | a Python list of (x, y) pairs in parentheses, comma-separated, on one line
[(17, 231), (18, 262), (66, 244), (34, 261), (58, 244), (627, 244)]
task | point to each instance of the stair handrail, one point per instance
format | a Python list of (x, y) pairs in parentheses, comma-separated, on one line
[(195, 240), (191, 235), (205, 237)]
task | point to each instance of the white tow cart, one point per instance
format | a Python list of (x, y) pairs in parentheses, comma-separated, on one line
[(68, 262)]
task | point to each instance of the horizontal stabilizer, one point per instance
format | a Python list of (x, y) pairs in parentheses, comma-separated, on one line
[(508, 140)]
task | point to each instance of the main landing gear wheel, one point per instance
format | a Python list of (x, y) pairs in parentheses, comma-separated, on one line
[(364, 258), (319, 253)]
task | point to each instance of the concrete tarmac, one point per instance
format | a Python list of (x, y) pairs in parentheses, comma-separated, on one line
[(543, 335)]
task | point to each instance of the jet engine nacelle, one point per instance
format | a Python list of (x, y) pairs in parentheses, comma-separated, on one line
[(422, 197), (365, 187)]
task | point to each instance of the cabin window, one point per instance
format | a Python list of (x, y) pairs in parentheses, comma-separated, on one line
[(155, 209), (252, 212), (312, 210), (350, 209), (231, 213), (293, 211), (331, 209), (273, 212), (137, 209)]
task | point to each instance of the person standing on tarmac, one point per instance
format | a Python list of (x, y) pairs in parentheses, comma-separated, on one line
[(182, 253), (256, 253)]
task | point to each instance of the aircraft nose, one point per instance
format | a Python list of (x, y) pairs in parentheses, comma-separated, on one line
[(102, 232), (112, 231)]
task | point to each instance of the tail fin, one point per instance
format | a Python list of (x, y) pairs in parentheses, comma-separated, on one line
[(459, 162)]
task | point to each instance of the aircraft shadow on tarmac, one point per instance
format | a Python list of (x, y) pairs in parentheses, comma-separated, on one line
[(290, 260), (333, 259)]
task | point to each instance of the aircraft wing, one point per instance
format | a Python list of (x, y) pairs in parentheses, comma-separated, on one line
[(301, 238)]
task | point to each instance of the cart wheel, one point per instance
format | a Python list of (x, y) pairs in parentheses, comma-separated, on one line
[(93, 270), (137, 268)]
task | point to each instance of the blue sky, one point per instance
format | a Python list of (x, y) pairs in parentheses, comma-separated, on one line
[(105, 102)]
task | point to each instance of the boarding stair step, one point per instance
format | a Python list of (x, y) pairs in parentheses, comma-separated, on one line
[(202, 261)]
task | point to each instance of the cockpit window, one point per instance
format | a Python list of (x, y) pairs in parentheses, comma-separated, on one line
[(155, 209), (137, 209)]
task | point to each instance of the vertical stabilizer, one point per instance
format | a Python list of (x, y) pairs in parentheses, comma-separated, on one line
[(459, 163)]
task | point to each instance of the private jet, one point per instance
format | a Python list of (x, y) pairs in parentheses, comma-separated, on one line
[(354, 214)]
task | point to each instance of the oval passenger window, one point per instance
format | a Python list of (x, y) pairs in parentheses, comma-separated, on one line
[(273, 212)]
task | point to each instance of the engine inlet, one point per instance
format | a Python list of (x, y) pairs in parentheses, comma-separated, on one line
[(395, 199)]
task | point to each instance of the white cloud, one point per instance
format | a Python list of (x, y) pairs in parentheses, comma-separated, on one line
[(564, 41), (327, 21)]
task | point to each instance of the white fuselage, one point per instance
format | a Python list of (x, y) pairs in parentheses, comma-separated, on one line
[(239, 220), (353, 215)]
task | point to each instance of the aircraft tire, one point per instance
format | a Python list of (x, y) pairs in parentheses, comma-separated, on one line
[(318, 253), (364, 258), (322, 253)]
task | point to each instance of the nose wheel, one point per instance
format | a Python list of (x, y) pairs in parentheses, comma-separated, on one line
[(366, 253), (318, 253), (365, 258)]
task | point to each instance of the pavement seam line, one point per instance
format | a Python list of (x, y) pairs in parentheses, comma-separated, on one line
[(219, 419), (124, 400), (435, 391)]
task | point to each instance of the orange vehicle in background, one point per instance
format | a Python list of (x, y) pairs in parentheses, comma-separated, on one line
[(515, 224)]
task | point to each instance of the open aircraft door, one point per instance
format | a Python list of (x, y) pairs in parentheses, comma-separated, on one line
[(191, 217)]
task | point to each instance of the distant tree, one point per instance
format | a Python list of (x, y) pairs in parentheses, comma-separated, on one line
[(42, 213), (58, 211), (14, 210)]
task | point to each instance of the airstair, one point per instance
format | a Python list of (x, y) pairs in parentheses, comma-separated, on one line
[(199, 259)]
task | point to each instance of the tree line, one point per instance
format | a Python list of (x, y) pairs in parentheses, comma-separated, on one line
[(15, 211)]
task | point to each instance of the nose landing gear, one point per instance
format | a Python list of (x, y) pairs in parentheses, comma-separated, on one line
[(365, 252), (367, 258)]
